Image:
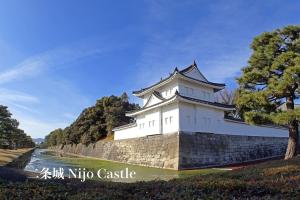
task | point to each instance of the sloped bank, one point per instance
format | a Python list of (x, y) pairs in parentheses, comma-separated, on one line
[(21, 161), (182, 151)]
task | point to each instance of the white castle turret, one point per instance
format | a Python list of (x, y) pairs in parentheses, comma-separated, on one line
[(185, 102)]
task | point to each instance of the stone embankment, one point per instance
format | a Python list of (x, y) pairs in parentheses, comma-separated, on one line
[(183, 151), (16, 158), (159, 151)]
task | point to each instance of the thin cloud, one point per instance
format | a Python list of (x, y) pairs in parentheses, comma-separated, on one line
[(160, 60), (16, 96), (54, 58), (40, 114), (225, 67), (38, 127), (18, 100), (164, 50)]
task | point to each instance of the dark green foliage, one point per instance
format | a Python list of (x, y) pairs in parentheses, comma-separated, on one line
[(55, 137), (10, 135), (95, 122), (271, 78)]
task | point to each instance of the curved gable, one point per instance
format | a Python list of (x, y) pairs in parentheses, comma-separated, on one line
[(153, 99), (195, 74)]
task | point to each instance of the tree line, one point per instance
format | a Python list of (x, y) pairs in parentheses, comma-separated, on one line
[(94, 123), (11, 136)]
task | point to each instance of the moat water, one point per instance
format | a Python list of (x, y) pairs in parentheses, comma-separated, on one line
[(109, 171)]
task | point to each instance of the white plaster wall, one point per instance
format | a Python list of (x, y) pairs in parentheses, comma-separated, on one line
[(169, 123), (169, 89), (170, 112), (198, 92), (131, 132), (204, 119), (236, 128), (143, 127), (195, 118)]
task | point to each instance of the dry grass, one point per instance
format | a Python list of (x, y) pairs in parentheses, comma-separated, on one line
[(7, 156), (108, 138)]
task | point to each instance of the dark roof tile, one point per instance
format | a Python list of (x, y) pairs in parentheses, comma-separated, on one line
[(181, 72)]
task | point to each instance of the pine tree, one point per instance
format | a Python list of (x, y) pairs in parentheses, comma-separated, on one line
[(271, 78), (10, 135)]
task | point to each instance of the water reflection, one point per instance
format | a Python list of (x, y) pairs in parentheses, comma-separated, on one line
[(42, 159)]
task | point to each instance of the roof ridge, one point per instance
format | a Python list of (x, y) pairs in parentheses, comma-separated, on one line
[(208, 102), (177, 94), (182, 72), (188, 68)]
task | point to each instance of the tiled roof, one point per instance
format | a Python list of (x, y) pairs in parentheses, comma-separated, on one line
[(158, 95), (215, 104), (207, 102), (124, 126), (181, 72)]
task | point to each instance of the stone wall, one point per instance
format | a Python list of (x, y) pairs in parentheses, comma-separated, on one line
[(183, 151), (153, 151), (21, 161), (206, 149)]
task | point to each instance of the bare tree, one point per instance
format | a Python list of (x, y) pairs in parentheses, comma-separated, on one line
[(228, 97)]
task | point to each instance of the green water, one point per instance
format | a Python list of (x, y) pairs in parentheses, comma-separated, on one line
[(48, 159), (141, 173)]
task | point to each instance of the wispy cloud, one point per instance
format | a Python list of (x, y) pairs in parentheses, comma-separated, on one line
[(226, 67), (37, 127), (39, 116), (53, 58), (16, 96), (163, 54), (58, 101)]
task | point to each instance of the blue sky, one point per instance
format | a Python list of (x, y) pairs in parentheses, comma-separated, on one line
[(58, 57)]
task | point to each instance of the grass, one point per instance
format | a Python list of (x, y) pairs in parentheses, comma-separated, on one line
[(7, 156), (270, 180)]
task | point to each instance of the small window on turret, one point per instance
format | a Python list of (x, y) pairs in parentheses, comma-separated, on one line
[(186, 90), (170, 119)]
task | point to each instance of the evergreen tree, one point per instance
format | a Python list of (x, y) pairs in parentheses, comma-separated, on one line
[(95, 122), (10, 135), (271, 78)]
